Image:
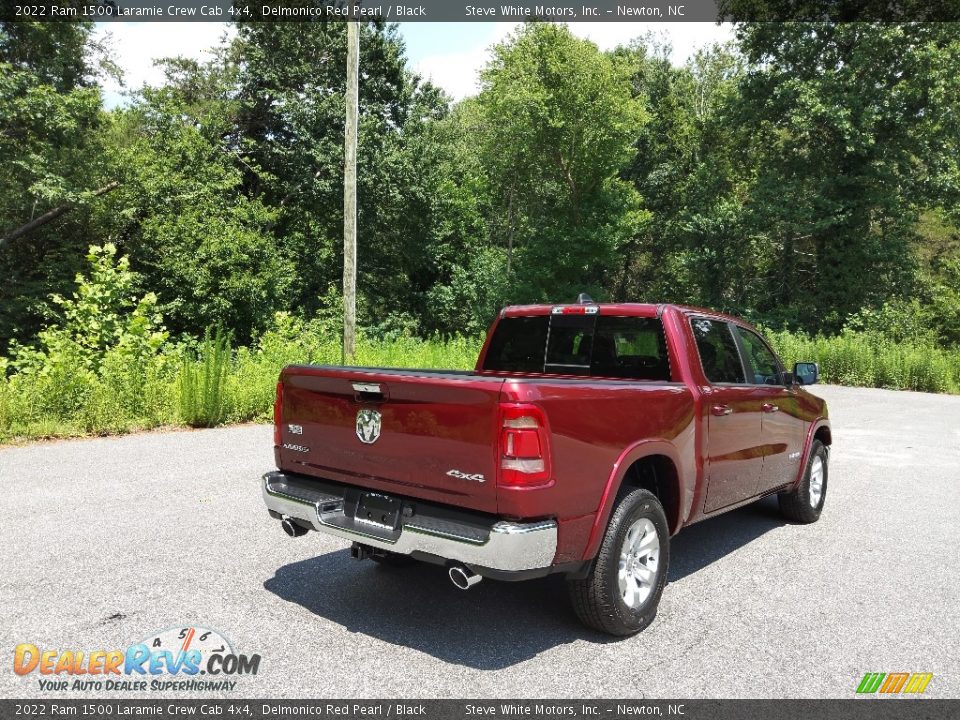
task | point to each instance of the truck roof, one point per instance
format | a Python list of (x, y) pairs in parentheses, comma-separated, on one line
[(629, 309)]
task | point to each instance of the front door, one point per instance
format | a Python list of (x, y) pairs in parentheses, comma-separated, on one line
[(782, 428)]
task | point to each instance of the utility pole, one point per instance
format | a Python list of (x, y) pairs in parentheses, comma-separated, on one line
[(350, 192)]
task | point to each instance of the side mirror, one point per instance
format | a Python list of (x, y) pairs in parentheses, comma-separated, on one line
[(806, 373)]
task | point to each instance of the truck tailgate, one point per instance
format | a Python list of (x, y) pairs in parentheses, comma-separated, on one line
[(426, 434)]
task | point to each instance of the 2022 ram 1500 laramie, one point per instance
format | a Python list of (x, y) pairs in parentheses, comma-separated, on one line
[(587, 436)]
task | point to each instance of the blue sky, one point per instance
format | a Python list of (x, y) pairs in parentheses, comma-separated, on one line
[(448, 53), (424, 39)]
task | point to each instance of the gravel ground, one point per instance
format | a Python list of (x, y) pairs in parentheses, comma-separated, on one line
[(107, 540)]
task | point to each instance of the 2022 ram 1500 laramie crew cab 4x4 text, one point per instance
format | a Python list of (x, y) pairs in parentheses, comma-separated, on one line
[(587, 435)]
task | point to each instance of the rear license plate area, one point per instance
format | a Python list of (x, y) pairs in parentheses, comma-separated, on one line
[(378, 511)]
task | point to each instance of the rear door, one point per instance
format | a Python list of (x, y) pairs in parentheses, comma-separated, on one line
[(781, 425), (423, 434), (734, 453)]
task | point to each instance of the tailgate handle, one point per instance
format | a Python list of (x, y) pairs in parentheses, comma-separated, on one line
[(369, 392)]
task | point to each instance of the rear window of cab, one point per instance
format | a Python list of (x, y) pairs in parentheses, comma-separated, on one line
[(632, 348)]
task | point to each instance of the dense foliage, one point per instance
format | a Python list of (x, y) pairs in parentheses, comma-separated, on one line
[(805, 176), (112, 367)]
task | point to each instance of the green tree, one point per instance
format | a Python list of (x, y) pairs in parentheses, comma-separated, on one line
[(860, 133), (104, 331), (686, 165), (468, 276), (290, 133), (52, 158), (199, 241), (558, 117)]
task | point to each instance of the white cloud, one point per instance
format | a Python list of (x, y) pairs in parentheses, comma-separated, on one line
[(136, 47), (457, 73), (685, 37)]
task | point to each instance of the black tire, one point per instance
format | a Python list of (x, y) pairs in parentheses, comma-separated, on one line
[(798, 504), (597, 599), (393, 560)]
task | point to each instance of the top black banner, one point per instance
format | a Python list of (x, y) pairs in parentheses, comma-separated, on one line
[(321, 11)]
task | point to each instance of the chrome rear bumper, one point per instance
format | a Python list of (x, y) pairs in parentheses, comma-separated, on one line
[(499, 545)]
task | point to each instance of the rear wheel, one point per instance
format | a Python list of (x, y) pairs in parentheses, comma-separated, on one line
[(622, 591), (805, 503)]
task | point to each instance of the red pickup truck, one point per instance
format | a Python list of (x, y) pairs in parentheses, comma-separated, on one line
[(587, 436)]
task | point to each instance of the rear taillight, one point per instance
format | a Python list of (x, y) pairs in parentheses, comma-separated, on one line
[(277, 411), (524, 446)]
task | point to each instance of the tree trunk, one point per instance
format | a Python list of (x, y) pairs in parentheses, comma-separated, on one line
[(52, 215), (350, 194)]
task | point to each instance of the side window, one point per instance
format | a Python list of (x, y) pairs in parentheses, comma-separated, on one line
[(763, 363), (719, 356), (517, 345)]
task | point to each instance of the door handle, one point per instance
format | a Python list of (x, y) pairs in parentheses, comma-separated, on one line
[(721, 410), (770, 408)]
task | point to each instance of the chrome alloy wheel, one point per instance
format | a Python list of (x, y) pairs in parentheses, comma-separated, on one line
[(639, 562), (816, 481)]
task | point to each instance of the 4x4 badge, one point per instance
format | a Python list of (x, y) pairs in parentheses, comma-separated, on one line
[(466, 476), (368, 425)]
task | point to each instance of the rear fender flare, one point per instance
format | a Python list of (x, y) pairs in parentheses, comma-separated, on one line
[(637, 451)]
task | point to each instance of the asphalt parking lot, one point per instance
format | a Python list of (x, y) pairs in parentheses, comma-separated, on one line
[(107, 540)]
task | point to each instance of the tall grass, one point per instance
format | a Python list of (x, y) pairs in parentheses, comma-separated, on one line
[(870, 360), (215, 384), (202, 384), (4, 404), (456, 354)]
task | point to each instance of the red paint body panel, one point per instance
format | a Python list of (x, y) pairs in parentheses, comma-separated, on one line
[(433, 422)]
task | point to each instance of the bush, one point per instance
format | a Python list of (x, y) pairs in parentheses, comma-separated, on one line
[(253, 382), (101, 369), (902, 321), (103, 315), (202, 384)]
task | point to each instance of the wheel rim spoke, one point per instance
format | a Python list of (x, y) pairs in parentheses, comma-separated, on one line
[(639, 563), (647, 543), (816, 481)]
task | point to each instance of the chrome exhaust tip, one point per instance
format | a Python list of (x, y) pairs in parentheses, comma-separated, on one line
[(463, 577), (291, 528)]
